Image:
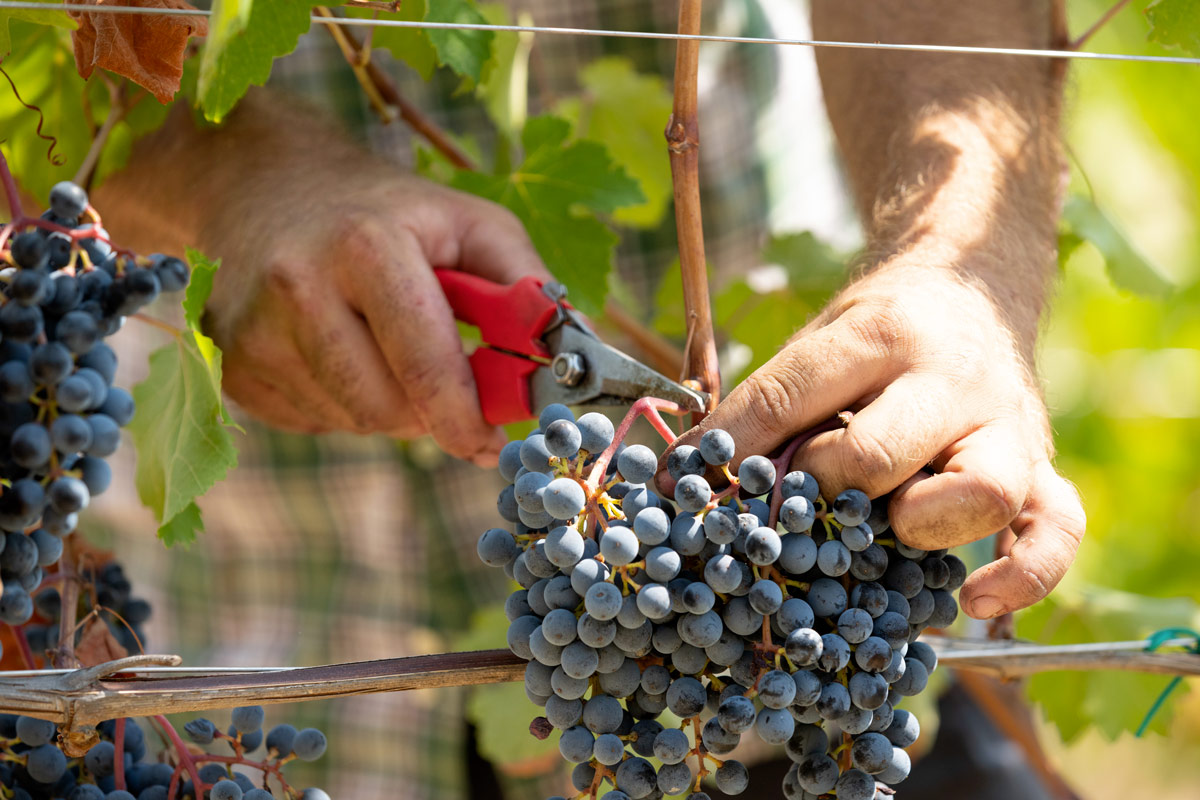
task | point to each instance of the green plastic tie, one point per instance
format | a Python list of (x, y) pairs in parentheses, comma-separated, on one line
[(1157, 640)]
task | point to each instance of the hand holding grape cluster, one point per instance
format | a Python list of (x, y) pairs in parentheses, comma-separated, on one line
[(632, 605)]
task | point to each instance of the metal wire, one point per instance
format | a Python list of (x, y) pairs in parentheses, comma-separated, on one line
[(1077, 55)]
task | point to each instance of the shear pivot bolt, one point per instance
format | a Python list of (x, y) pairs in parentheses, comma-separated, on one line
[(568, 368)]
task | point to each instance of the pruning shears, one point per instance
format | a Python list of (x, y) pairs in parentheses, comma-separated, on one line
[(538, 350)]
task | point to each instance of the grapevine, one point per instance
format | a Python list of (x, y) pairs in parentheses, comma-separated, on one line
[(633, 604)]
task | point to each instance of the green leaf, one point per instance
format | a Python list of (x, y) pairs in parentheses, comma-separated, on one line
[(43, 70), (464, 51), (496, 709), (1175, 23), (812, 265), (1127, 267), (51, 16), (1111, 702), (199, 288), (180, 429), (229, 18), (183, 527), (410, 45), (504, 89), (626, 112), (271, 30), (556, 192)]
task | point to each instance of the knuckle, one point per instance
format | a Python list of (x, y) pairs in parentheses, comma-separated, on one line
[(422, 379), (882, 324), (1033, 584), (362, 241), (866, 460), (771, 399), (991, 501)]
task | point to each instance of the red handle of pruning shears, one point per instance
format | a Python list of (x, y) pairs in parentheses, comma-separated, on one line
[(510, 317)]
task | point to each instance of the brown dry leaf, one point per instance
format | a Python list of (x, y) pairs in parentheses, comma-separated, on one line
[(97, 644), (147, 49)]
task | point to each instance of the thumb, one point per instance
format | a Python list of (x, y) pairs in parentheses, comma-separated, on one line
[(811, 379)]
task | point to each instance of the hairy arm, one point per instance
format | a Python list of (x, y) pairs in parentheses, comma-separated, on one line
[(954, 162), (326, 306), (953, 159)]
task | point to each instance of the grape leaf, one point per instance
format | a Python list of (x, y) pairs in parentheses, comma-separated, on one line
[(1127, 267), (148, 50), (626, 112), (180, 429), (556, 192), (50, 16), (493, 709), (1112, 702), (812, 265), (504, 89), (43, 71), (271, 30), (1175, 23), (464, 51), (229, 18)]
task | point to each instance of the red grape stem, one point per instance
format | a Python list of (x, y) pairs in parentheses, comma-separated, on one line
[(647, 407), (783, 461), (182, 754), (23, 646), (119, 753), (21, 221)]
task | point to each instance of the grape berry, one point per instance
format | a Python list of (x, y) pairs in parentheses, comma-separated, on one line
[(632, 605)]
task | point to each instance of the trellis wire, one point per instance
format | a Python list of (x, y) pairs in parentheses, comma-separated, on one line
[(1079, 55)]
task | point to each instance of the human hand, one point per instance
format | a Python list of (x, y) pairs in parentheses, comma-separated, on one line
[(335, 321), (938, 379)]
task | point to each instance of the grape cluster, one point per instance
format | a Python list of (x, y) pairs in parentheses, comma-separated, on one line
[(632, 605), (105, 590), (33, 767), (63, 289)]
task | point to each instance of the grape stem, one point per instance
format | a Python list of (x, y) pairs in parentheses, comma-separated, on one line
[(648, 407), (182, 753), (266, 767), (157, 323), (783, 461), (23, 646), (119, 753), (10, 190)]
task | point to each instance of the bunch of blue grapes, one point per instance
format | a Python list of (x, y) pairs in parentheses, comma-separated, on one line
[(633, 606), (64, 289), (34, 767)]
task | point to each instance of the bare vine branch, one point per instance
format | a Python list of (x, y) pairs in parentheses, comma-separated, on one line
[(1078, 42), (87, 696), (117, 109), (381, 84), (683, 141)]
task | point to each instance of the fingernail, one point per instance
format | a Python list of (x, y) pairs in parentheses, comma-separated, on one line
[(986, 607)]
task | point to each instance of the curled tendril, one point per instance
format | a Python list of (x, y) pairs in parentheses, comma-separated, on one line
[(57, 159)]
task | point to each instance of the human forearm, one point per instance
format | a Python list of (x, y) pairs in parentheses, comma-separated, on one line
[(954, 159), (191, 185)]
